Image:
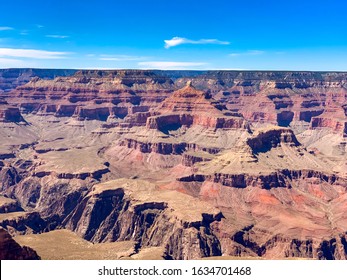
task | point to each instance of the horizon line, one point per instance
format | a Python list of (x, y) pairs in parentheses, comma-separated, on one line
[(195, 70)]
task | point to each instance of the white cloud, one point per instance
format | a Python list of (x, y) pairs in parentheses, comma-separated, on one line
[(228, 69), (255, 52), (97, 68), (9, 62), (57, 36), (4, 28), (29, 53), (173, 65), (251, 52), (176, 41), (122, 57)]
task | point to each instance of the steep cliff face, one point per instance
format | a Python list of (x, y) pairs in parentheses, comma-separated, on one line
[(278, 179), (329, 249), (265, 140), (333, 117), (22, 222), (9, 113), (134, 210), (339, 126)]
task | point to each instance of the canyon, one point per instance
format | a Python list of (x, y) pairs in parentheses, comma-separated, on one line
[(152, 164)]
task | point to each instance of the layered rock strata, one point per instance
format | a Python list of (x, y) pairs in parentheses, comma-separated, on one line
[(232, 163)]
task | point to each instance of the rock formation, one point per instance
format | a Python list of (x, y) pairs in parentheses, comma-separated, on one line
[(175, 164), (134, 210), (189, 106), (12, 78), (9, 113)]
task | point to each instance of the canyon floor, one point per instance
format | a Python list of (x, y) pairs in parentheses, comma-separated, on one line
[(140, 164)]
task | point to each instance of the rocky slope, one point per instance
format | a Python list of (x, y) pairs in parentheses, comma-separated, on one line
[(178, 165), (11, 250)]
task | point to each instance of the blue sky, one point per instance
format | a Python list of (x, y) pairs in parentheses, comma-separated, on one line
[(175, 34)]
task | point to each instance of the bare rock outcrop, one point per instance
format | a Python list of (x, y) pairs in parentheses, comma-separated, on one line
[(189, 106), (9, 113)]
